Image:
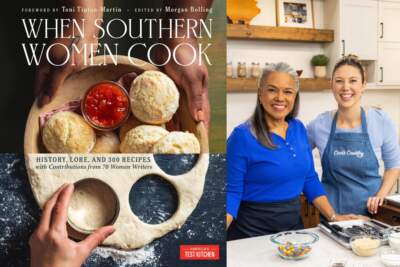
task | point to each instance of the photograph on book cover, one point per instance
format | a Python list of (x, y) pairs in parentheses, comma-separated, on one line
[(313, 122), (114, 149)]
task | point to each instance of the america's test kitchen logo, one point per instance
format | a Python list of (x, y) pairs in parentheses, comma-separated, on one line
[(359, 154), (199, 252)]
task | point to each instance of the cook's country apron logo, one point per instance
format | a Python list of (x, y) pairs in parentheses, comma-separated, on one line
[(359, 154)]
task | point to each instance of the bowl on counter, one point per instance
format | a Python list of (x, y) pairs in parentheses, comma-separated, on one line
[(364, 245), (294, 245), (390, 257), (394, 240)]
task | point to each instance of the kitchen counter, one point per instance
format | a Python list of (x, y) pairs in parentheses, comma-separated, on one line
[(261, 252)]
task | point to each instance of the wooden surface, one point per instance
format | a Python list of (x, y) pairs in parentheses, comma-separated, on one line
[(388, 214), (309, 213), (250, 84), (279, 33), (76, 85)]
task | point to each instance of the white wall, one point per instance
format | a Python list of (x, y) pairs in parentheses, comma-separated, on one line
[(297, 54), (241, 105)]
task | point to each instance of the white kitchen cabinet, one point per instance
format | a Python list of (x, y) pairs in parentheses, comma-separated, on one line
[(356, 29), (388, 72), (359, 28), (389, 21)]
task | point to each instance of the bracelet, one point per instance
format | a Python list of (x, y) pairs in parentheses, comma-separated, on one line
[(333, 217)]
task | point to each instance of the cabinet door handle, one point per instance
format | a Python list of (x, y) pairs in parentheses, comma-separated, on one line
[(381, 68), (381, 30), (343, 48)]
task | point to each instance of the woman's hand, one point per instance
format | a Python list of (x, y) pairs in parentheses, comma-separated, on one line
[(192, 78), (374, 203), (50, 245), (49, 78), (346, 217)]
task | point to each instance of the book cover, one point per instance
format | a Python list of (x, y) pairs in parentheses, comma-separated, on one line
[(126, 101)]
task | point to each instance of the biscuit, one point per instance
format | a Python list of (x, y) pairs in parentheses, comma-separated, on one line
[(154, 97), (142, 139), (131, 123), (177, 143), (68, 132), (106, 142)]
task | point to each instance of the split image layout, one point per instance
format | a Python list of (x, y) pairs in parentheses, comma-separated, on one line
[(200, 133)]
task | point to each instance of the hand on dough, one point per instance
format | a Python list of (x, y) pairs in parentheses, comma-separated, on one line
[(50, 245)]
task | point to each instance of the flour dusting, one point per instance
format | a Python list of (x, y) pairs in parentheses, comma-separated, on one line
[(144, 256)]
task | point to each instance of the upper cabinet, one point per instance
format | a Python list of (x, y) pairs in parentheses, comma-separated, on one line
[(359, 28), (356, 27), (389, 43), (369, 29), (389, 21)]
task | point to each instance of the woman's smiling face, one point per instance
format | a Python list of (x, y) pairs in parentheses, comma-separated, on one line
[(347, 86), (277, 95)]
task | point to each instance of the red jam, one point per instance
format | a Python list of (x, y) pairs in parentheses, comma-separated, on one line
[(106, 105)]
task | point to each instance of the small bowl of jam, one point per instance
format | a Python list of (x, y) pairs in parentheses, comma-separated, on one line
[(106, 106)]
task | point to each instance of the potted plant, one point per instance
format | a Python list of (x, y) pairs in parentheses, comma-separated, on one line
[(319, 62)]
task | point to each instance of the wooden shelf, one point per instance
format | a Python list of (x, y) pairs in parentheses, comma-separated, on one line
[(250, 84), (279, 33)]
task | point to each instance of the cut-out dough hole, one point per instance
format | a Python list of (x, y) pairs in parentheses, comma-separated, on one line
[(176, 164), (153, 199)]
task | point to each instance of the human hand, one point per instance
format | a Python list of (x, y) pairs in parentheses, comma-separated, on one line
[(374, 203), (50, 245), (48, 78), (193, 79)]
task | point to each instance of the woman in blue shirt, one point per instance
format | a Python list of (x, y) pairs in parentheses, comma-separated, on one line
[(351, 141), (270, 163)]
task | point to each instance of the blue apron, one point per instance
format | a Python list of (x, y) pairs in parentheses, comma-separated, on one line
[(350, 170)]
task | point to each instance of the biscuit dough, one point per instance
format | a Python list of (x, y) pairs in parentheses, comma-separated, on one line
[(68, 132), (130, 231), (154, 97)]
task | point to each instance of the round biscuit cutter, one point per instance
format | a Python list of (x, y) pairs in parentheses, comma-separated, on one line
[(130, 231)]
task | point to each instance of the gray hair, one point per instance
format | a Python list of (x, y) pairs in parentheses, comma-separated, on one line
[(278, 67)]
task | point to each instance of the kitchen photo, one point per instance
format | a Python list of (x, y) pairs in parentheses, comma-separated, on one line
[(313, 123)]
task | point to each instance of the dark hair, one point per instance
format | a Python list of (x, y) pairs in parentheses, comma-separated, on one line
[(258, 121), (350, 60)]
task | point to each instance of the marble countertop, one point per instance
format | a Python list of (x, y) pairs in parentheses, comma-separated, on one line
[(261, 252)]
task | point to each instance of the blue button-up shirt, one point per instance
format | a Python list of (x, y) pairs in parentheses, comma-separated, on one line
[(260, 174)]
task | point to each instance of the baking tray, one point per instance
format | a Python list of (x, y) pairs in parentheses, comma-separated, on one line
[(342, 237)]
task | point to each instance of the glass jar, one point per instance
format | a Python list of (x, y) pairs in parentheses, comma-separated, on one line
[(229, 70), (255, 70), (241, 70)]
